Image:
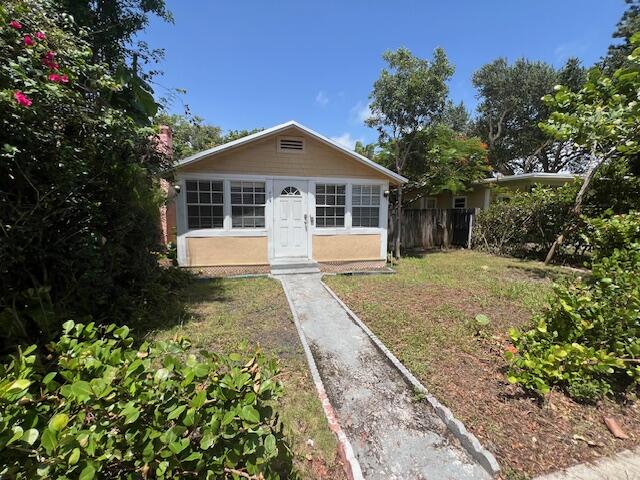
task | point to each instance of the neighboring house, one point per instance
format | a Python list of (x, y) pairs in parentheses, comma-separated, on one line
[(487, 191), (285, 196)]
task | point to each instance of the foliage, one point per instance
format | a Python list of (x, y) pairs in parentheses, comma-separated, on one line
[(190, 134), (510, 108), (603, 116), (527, 223), (232, 135), (588, 341), (445, 161), (78, 199), (409, 96), (94, 405), (628, 25)]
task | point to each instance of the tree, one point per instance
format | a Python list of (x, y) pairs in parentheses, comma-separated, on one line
[(510, 109), (190, 134), (456, 117), (603, 118), (78, 196), (409, 96), (446, 161), (367, 150), (232, 135), (628, 25)]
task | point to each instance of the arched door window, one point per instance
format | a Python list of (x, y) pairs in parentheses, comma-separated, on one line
[(290, 192)]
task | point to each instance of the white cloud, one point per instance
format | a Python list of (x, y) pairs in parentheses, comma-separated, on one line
[(360, 112), (322, 98), (346, 140)]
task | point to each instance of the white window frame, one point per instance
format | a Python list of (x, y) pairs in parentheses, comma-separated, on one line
[(199, 204), (463, 197), (242, 204), (367, 205), (326, 205), (435, 203)]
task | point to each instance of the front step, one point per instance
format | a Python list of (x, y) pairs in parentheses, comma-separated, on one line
[(292, 266)]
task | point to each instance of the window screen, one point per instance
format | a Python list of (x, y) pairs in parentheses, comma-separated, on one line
[(365, 201), (330, 205), (204, 204), (247, 204)]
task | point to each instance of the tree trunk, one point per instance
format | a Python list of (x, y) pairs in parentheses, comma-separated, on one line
[(577, 207), (396, 247)]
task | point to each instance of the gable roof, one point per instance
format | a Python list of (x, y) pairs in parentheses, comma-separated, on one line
[(279, 128)]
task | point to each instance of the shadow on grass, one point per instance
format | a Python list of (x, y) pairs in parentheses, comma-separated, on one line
[(175, 309), (421, 253)]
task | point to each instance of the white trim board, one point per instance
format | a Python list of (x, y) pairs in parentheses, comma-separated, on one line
[(278, 128)]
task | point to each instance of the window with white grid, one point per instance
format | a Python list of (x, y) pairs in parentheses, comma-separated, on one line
[(365, 206), (205, 204), (247, 204), (330, 205)]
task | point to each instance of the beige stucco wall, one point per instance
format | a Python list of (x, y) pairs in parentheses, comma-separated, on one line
[(209, 251), (327, 248), (262, 158)]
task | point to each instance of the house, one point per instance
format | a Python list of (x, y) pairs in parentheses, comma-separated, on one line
[(283, 197), (484, 192)]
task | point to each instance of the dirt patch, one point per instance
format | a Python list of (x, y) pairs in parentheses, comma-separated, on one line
[(429, 325)]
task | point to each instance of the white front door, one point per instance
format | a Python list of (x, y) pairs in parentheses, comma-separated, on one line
[(290, 229)]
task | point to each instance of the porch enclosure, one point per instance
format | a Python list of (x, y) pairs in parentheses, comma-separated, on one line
[(433, 227)]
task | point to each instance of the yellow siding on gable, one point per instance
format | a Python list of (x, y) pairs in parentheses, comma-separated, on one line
[(262, 158), (212, 251), (327, 248)]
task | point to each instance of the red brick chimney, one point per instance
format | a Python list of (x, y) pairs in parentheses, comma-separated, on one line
[(168, 210)]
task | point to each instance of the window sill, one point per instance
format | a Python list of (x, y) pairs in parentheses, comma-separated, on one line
[(348, 231), (218, 232)]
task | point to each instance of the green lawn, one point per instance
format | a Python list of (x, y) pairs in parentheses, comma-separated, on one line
[(425, 314), (224, 314)]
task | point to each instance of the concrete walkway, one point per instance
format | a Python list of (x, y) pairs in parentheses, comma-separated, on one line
[(622, 466), (393, 435)]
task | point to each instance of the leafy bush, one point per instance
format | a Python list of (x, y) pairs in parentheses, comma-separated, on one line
[(94, 405), (78, 199), (588, 341), (527, 224)]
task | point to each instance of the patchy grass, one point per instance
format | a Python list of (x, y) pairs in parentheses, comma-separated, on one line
[(231, 314), (426, 315)]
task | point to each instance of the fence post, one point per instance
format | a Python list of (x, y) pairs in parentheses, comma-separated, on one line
[(471, 217)]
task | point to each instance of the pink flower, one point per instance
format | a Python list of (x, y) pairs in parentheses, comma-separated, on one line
[(57, 78), (15, 24), (22, 99), (28, 41), (49, 60), (40, 35)]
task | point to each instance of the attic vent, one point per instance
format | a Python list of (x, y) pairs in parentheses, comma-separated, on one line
[(290, 144)]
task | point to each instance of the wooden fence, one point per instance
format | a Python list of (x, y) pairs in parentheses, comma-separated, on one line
[(433, 228)]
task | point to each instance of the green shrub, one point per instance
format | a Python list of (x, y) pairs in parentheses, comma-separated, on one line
[(527, 224), (94, 405), (588, 341)]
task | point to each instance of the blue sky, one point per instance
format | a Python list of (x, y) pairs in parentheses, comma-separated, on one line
[(248, 64)]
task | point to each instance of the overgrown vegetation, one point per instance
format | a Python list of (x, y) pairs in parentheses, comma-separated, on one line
[(94, 404), (78, 200), (588, 341)]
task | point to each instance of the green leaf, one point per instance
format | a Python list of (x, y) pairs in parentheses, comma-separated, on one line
[(130, 413), (74, 457), (81, 390), (88, 472), (17, 434), (161, 375), (207, 440), (18, 385), (30, 436), (68, 326), (58, 422), (482, 320), (175, 413), (48, 441), (250, 414), (270, 444)]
